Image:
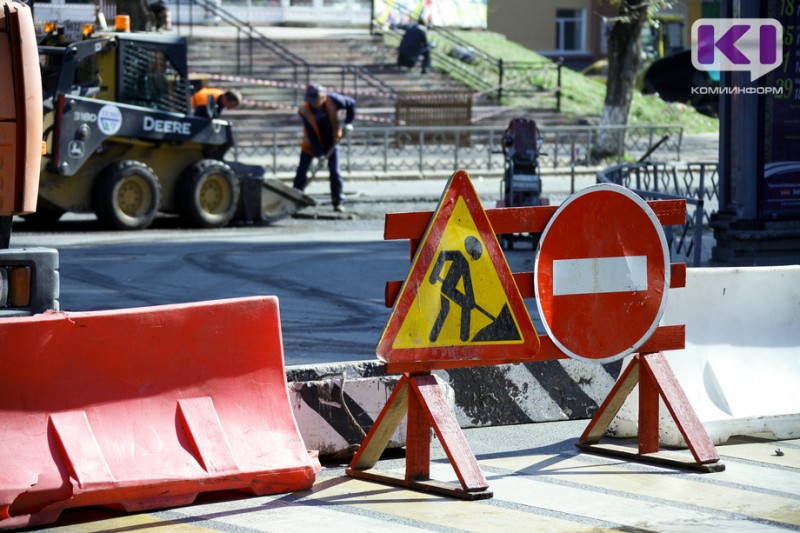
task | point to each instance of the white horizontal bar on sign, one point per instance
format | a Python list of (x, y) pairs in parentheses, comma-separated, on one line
[(599, 275)]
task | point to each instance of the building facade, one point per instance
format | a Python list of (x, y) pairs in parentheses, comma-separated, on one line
[(576, 29), (573, 29)]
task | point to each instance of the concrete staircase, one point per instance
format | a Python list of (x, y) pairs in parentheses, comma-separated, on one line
[(354, 63)]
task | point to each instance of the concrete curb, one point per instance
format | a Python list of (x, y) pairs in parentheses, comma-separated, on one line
[(335, 405)]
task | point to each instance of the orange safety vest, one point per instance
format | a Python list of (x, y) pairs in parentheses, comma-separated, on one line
[(200, 98), (306, 112)]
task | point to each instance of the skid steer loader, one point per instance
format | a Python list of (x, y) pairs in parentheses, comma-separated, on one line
[(123, 141)]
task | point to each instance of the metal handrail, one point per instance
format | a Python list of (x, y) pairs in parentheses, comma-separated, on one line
[(496, 65), (302, 69), (232, 20)]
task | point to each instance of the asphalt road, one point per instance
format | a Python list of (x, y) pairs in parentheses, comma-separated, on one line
[(328, 271), (329, 274)]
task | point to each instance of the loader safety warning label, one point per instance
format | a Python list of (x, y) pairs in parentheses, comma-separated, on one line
[(109, 119)]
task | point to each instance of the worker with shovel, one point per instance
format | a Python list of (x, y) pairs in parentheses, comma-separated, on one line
[(321, 136)]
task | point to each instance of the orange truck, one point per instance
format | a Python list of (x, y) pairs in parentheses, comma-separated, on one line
[(28, 277)]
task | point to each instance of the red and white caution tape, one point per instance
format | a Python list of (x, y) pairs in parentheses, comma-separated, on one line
[(287, 84), (269, 105)]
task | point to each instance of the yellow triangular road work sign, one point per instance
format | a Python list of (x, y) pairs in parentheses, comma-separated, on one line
[(459, 301)]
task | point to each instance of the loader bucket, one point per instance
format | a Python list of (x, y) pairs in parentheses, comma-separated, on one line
[(280, 200), (270, 200), (145, 408)]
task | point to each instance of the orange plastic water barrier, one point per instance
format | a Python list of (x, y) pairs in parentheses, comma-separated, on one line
[(144, 408)]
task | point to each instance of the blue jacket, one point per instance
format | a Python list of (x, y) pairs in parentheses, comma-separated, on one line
[(414, 42)]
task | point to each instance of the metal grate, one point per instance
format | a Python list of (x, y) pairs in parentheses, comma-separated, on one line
[(148, 79)]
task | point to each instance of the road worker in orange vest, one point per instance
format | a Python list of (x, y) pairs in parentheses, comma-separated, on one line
[(321, 135), (223, 100)]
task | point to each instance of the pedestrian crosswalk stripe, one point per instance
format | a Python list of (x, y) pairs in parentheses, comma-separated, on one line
[(435, 509), (763, 452), (678, 489), (591, 504), (130, 522)]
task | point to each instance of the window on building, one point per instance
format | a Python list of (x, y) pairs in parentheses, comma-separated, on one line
[(570, 30)]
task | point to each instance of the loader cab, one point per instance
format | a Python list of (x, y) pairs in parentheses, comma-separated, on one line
[(150, 71), (143, 70)]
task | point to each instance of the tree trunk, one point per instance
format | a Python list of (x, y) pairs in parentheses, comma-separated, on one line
[(624, 59)]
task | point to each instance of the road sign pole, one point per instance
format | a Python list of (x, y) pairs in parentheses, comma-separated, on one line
[(418, 439), (648, 411)]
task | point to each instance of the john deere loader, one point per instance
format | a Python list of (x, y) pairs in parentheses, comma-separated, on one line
[(123, 141)]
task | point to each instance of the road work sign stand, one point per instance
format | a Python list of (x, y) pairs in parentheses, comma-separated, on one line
[(656, 380), (444, 319), (420, 397), (459, 306), (600, 296)]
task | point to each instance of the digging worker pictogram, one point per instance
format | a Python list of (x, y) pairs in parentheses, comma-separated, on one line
[(458, 272), (457, 288)]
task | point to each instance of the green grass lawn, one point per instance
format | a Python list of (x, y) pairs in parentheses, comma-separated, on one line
[(582, 96)]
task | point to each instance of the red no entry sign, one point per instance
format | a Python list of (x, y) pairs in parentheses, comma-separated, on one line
[(602, 274)]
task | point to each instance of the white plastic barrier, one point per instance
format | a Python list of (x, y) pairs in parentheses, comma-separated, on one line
[(741, 366)]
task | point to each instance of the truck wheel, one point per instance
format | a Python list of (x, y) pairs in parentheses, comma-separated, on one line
[(127, 195), (207, 194)]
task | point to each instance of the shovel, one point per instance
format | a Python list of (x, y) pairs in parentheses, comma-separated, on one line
[(322, 160)]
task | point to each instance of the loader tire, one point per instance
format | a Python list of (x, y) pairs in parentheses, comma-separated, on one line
[(43, 218), (207, 194), (126, 195)]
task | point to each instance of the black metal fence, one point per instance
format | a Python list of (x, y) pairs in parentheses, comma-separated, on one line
[(697, 183)]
